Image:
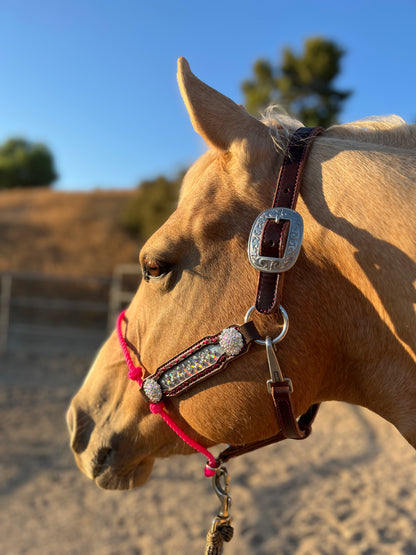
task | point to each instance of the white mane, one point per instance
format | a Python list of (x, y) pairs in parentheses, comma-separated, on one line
[(280, 124), (388, 130)]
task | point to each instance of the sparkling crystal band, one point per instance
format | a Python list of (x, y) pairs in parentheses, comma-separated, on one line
[(207, 356)]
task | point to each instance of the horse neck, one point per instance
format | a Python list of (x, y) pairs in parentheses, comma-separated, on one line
[(355, 278)]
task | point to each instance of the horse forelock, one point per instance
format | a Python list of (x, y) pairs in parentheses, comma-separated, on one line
[(389, 130), (281, 125)]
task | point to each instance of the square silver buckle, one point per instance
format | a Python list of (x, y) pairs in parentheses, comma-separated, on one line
[(270, 264)]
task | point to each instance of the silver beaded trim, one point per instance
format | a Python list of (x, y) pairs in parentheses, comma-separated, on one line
[(152, 390), (231, 341)]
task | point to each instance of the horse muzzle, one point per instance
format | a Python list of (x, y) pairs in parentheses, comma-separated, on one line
[(105, 457)]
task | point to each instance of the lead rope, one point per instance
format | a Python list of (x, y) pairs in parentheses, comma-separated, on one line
[(221, 530)]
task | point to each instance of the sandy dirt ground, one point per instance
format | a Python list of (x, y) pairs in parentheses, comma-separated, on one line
[(349, 489)]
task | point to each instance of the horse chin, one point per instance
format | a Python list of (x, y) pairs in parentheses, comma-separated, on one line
[(111, 480)]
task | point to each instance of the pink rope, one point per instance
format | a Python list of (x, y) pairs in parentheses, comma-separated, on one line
[(136, 374), (159, 408)]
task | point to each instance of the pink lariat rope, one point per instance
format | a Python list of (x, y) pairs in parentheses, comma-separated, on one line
[(136, 374)]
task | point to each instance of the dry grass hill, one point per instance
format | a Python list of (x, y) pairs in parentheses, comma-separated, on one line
[(64, 233)]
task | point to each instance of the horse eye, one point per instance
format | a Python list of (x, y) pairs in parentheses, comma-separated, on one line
[(153, 269)]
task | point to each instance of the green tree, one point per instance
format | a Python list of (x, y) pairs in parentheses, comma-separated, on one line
[(153, 203), (25, 164), (302, 84)]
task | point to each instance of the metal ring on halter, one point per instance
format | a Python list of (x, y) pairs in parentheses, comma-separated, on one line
[(281, 334)]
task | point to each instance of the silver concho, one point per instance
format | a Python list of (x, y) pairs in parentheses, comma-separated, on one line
[(294, 241), (152, 390), (231, 341)]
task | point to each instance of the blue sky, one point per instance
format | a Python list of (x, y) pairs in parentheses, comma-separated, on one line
[(96, 79)]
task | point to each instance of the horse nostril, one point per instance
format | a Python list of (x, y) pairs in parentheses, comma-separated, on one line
[(80, 426), (100, 460)]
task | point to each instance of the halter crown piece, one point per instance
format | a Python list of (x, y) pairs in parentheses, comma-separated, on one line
[(273, 248)]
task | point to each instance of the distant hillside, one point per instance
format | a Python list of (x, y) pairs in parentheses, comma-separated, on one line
[(64, 233)]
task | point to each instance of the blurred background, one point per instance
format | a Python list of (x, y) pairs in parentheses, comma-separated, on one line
[(94, 142)]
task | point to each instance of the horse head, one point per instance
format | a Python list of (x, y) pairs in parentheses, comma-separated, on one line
[(197, 280)]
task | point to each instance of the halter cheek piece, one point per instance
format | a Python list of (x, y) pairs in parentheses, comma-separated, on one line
[(274, 245)]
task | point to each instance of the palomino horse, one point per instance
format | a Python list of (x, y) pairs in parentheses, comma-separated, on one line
[(350, 296)]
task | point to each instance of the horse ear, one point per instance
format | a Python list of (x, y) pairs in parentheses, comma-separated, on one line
[(218, 120)]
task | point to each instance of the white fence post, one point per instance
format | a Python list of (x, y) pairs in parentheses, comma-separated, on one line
[(6, 289), (119, 297)]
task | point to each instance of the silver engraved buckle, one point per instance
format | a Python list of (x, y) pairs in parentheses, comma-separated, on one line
[(270, 264)]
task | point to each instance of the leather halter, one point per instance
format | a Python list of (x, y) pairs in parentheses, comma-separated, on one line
[(272, 248), (274, 245)]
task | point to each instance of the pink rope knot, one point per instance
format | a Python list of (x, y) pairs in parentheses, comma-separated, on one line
[(135, 373), (156, 408)]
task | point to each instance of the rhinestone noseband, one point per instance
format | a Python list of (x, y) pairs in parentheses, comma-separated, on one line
[(200, 361)]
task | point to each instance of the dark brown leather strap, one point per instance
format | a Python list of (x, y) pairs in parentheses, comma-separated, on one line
[(274, 236), (249, 331), (282, 399), (304, 425)]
